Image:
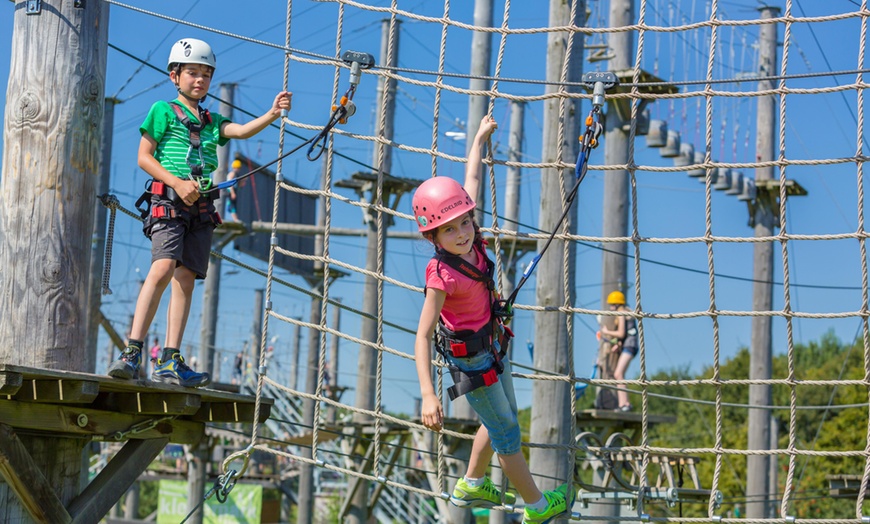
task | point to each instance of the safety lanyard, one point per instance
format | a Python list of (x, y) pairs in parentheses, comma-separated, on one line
[(341, 111), (598, 82), (195, 147)]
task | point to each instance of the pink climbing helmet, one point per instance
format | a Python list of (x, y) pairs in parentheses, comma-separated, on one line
[(439, 200)]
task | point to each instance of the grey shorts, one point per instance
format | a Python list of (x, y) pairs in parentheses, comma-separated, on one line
[(188, 244)]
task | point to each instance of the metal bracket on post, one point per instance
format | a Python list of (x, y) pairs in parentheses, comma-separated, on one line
[(32, 7)]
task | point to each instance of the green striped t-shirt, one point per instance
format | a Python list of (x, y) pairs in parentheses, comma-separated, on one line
[(173, 139)]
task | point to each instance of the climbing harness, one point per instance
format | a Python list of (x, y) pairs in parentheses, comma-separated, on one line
[(341, 111), (494, 336), (161, 202), (598, 82), (195, 163)]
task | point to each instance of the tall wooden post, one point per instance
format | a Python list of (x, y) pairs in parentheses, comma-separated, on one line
[(481, 55), (760, 354), (212, 284), (615, 219), (332, 366), (376, 245), (551, 401), (52, 132), (294, 356), (306, 494)]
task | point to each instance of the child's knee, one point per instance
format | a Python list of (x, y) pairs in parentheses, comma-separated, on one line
[(162, 270), (185, 278)]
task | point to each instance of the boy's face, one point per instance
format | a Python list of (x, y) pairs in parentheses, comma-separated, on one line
[(193, 79)]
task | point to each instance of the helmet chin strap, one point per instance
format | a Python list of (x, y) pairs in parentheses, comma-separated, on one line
[(185, 95)]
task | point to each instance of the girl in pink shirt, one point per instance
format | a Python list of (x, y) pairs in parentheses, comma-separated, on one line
[(459, 297)]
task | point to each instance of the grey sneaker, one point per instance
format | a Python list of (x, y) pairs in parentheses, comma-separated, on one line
[(127, 366)]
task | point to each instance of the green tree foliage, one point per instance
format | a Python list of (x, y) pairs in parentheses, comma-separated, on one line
[(834, 429)]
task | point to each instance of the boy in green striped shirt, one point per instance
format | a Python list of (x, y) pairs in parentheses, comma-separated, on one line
[(179, 150)]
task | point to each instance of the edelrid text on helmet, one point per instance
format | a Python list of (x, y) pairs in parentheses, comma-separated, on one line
[(439, 200), (191, 51)]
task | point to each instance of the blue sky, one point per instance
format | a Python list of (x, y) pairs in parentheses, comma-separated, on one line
[(670, 205)]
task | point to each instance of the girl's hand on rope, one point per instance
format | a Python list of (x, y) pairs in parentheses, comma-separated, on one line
[(432, 415), (488, 125), (282, 102)]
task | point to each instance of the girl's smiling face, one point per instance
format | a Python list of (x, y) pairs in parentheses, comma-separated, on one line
[(456, 236)]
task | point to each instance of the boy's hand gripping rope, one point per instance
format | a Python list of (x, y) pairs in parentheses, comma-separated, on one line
[(599, 83), (340, 113)]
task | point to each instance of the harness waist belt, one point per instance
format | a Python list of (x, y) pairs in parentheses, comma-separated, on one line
[(467, 346)]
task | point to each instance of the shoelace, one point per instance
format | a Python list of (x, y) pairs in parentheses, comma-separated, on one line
[(181, 365), (490, 488)]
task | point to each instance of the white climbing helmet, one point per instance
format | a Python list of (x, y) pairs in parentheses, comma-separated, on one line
[(191, 51)]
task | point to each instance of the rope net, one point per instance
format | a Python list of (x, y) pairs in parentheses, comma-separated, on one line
[(693, 80)]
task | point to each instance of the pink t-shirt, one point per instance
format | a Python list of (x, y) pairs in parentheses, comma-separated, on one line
[(467, 305)]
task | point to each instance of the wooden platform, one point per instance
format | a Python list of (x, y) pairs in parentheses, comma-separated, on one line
[(104, 408), (79, 406)]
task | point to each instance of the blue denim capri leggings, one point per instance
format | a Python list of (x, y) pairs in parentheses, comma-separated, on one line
[(496, 405)]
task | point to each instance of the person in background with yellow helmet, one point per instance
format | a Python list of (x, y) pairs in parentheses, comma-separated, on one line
[(231, 191), (627, 344)]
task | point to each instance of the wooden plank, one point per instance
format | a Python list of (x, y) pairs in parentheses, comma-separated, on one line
[(230, 412), (111, 385), (58, 391), (157, 403), (9, 382), (115, 479), (25, 479), (72, 420)]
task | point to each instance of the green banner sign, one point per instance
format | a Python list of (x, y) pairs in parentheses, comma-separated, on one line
[(244, 504)]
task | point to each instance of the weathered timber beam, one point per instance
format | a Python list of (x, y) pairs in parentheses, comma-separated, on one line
[(116, 478), (231, 412), (58, 391), (117, 339), (391, 462), (83, 421), (27, 481), (356, 481), (156, 403), (9, 382)]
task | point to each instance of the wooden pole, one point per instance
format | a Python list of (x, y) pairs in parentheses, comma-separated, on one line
[(551, 401), (52, 134), (294, 356), (760, 351), (331, 411), (616, 200), (306, 494), (212, 285), (376, 246), (481, 56)]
